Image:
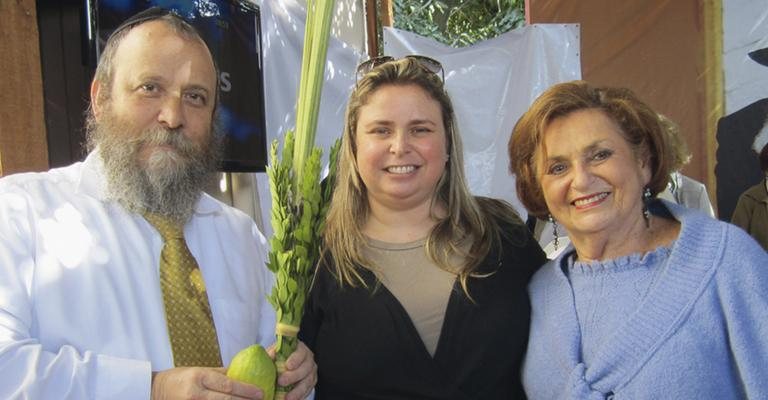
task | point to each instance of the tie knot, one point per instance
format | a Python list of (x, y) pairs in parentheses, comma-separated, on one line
[(167, 227)]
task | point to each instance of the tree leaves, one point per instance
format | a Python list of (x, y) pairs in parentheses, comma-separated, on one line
[(459, 23)]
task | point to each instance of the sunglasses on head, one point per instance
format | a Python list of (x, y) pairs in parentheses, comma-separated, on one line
[(429, 64)]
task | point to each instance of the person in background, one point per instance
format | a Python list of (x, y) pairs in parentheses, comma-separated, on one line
[(682, 189), (751, 211), (421, 290), (688, 192), (737, 165), (119, 277), (652, 300)]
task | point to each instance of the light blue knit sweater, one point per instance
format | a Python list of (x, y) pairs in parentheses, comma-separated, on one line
[(694, 327)]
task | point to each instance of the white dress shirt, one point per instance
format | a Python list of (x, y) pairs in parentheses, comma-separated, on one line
[(81, 311)]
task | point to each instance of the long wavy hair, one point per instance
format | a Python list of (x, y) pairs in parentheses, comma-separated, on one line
[(477, 220)]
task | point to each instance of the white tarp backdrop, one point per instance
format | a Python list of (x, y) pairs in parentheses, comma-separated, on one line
[(491, 84)]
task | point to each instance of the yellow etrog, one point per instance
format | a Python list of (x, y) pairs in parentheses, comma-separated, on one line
[(253, 365)]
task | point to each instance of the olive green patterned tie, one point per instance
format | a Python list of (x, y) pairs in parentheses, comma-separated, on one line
[(187, 312)]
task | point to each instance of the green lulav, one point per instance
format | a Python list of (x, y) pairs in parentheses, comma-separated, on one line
[(299, 201)]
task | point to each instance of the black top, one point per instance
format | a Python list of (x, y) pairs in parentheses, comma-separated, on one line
[(366, 346)]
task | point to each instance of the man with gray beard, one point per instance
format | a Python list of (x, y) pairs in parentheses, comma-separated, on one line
[(83, 312), (171, 182)]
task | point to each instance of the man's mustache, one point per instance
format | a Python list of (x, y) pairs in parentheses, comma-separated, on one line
[(171, 137)]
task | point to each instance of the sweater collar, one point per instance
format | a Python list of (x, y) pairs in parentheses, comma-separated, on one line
[(692, 261)]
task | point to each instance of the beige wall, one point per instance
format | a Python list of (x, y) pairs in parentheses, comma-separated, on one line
[(666, 51), (23, 144)]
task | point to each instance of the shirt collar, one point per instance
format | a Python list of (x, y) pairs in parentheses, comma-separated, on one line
[(92, 181), (207, 205)]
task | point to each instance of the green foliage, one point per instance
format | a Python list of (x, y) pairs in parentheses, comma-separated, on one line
[(299, 200), (299, 206), (459, 23)]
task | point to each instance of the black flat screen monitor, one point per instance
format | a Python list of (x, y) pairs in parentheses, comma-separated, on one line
[(232, 31)]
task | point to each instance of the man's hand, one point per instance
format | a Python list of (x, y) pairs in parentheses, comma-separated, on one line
[(300, 371), (200, 383)]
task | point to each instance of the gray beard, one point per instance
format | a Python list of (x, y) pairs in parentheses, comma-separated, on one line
[(170, 184)]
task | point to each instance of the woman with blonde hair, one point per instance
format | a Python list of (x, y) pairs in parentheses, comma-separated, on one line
[(421, 291)]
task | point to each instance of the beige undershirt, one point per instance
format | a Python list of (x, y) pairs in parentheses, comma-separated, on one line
[(421, 287)]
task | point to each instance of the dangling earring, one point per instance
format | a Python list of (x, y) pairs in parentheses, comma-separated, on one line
[(554, 229), (646, 201)]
